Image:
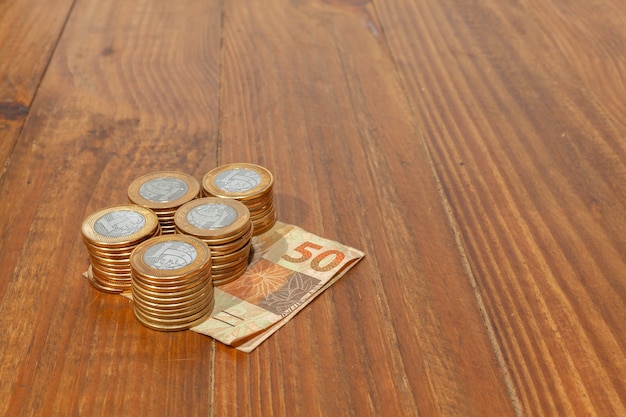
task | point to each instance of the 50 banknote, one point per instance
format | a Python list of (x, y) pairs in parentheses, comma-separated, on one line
[(289, 268)]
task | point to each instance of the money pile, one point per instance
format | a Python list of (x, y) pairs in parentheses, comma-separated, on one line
[(225, 226), (164, 192), (110, 235), (248, 183), (172, 287)]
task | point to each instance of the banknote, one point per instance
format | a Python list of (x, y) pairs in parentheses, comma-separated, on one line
[(288, 269)]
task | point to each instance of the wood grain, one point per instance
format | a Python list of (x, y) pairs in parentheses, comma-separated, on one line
[(29, 31), (308, 89), (474, 150), (129, 90), (520, 106)]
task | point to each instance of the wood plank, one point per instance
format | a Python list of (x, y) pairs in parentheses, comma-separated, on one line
[(521, 106), (308, 90), (29, 30), (131, 89)]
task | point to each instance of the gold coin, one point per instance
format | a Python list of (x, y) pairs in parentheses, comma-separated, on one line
[(229, 278), (224, 250), (230, 270), (165, 287), (172, 304), (227, 244), (104, 285), (171, 328), (206, 308), (173, 288), (240, 181), (189, 303), (262, 227), (109, 272), (260, 207), (175, 313), (231, 257), (176, 304), (177, 323), (229, 266)]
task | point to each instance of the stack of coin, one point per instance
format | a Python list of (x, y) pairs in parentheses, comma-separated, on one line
[(225, 226), (251, 184), (164, 192), (110, 235), (171, 282)]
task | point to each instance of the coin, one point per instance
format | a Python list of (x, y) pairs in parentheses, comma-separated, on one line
[(231, 276), (240, 181), (110, 235), (159, 291), (170, 257), (203, 312), (251, 184), (119, 226), (164, 192), (171, 282), (213, 219), (175, 313), (172, 327)]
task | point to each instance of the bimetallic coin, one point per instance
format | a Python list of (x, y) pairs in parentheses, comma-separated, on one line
[(237, 181), (175, 313), (212, 218), (172, 289), (119, 226), (157, 302), (230, 276), (220, 261), (105, 287), (172, 327), (263, 226), (163, 191), (119, 223), (171, 282), (170, 257), (168, 301), (207, 309), (110, 236)]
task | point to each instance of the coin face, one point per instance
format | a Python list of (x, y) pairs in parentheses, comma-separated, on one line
[(170, 255), (163, 189), (119, 223), (212, 219), (212, 216), (237, 180)]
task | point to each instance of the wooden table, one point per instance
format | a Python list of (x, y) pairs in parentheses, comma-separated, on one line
[(474, 150)]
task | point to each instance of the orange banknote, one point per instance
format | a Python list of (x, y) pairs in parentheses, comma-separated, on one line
[(288, 269)]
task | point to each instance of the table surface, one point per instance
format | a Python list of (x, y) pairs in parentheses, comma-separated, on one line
[(475, 151)]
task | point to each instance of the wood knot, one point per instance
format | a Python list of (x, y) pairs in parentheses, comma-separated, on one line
[(12, 110)]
